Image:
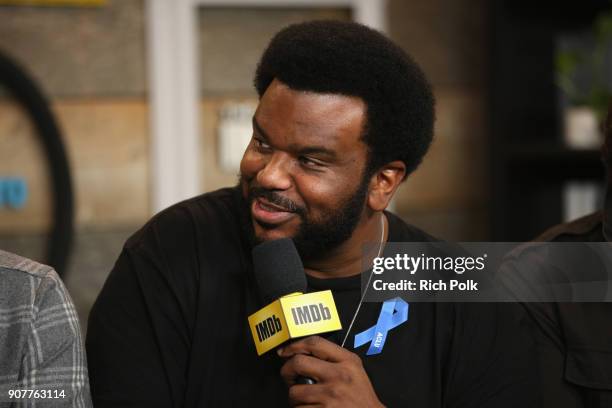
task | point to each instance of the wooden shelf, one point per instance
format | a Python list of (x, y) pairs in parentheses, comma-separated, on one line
[(550, 152), (530, 165), (551, 162)]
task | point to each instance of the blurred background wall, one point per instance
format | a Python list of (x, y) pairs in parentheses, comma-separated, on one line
[(92, 63)]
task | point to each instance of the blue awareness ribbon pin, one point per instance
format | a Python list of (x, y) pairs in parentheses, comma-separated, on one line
[(393, 313)]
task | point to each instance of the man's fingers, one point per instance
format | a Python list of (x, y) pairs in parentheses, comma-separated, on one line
[(305, 366), (308, 395), (302, 394), (318, 347)]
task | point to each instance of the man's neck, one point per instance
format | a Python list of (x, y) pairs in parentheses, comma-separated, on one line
[(348, 258)]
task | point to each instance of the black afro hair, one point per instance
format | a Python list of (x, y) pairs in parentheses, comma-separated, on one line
[(351, 59)]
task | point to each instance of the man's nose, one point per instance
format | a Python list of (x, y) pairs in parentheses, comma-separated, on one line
[(275, 175)]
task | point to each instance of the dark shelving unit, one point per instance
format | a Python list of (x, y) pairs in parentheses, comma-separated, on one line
[(529, 163)]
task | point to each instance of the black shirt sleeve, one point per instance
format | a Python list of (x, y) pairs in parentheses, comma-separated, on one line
[(574, 343), (139, 331)]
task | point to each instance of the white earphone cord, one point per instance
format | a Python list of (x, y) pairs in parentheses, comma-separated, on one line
[(380, 247)]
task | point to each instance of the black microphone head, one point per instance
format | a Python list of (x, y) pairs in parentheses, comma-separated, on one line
[(278, 269)]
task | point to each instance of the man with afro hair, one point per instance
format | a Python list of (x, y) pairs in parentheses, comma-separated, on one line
[(344, 116)]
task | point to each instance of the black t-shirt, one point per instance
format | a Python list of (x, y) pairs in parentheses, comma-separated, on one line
[(169, 328), (574, 340)]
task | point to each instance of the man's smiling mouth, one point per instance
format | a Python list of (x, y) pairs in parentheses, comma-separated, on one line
[(265, 212)]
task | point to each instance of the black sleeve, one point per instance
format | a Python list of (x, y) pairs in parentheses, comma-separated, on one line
[(573, 340), (492, 358), (574, 345), (550, 363), (138, 338)]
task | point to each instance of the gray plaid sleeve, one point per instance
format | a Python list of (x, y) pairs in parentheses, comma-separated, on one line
[(54, 357)]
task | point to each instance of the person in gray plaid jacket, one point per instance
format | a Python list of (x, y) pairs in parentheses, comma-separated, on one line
[(42, 362)]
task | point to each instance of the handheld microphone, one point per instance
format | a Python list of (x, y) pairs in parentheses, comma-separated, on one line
[(290, 313)]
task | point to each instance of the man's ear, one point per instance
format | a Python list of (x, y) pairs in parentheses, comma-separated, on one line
[(384, 183)]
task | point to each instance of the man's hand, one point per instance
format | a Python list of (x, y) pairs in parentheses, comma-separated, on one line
[(340, 376)]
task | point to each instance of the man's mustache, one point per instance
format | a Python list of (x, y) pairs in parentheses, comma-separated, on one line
[(275, 198)]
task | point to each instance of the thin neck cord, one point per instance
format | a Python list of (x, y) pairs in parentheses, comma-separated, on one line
[(380, 248)]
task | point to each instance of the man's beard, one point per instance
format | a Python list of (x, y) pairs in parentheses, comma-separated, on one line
[(314, 238)]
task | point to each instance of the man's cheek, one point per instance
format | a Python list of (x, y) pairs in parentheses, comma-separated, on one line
[(250, 164)]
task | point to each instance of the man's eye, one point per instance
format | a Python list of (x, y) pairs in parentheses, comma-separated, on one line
[(305, 161), (261, 145)]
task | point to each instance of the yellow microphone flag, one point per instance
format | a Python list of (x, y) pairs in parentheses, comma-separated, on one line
[(292, 316)]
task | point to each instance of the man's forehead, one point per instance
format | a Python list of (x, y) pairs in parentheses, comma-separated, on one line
[(318, 102), (320, 115)]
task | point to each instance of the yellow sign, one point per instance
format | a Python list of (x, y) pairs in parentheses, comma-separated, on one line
[(268, 327), (293, 316), (82, 3)]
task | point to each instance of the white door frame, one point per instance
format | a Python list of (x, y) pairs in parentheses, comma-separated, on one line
[(174, 118)]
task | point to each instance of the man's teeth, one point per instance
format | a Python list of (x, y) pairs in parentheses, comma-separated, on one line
[(269, 208)]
